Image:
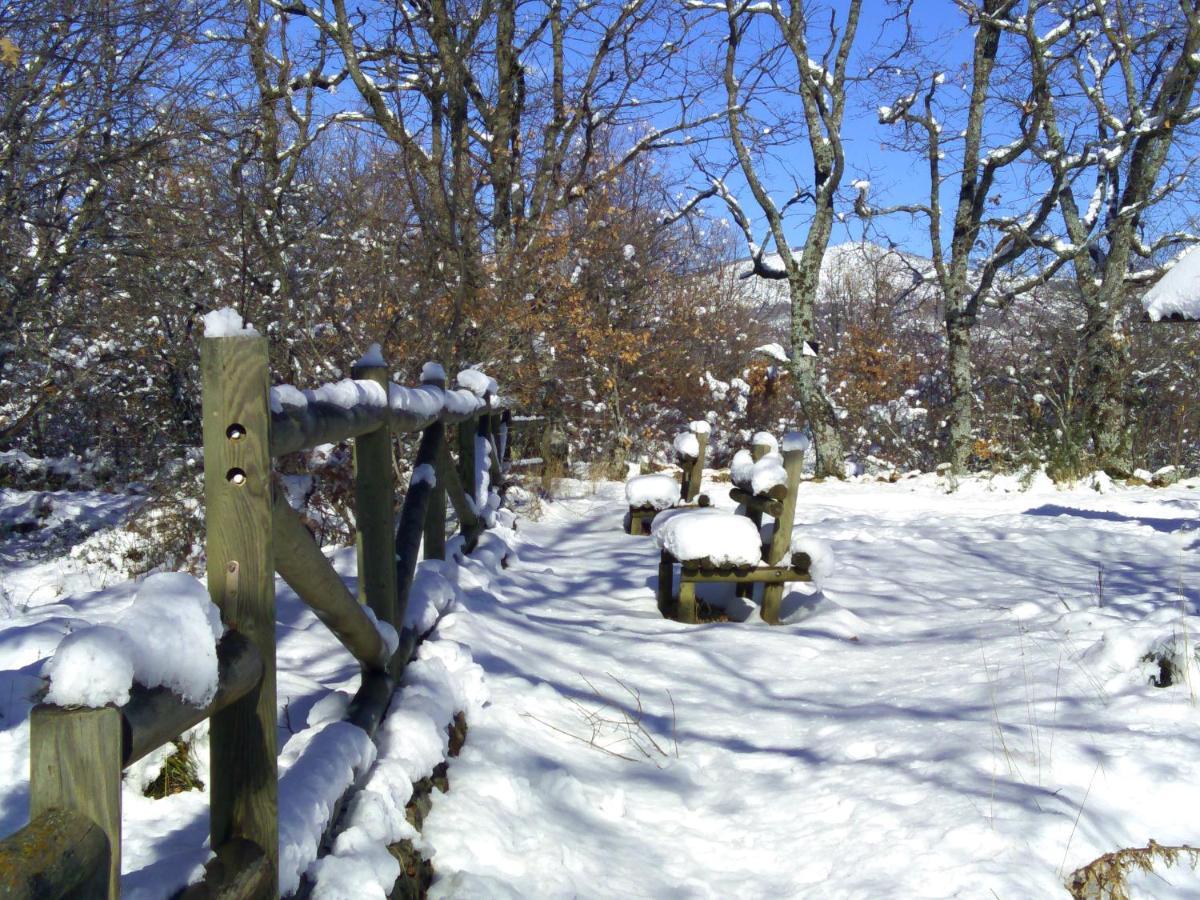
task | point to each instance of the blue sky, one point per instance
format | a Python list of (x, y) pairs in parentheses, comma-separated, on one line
[(895, 176)]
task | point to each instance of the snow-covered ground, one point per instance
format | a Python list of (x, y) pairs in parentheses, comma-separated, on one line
[(963, 710), (53, 587)]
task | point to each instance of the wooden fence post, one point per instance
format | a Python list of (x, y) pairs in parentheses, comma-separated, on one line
[(781, 539), (489, 430), (435, 509), (414, 517), (75, 764), (243, 777), (374, 511), (467, 430), (504, 436), (694, 471), (757, 452)]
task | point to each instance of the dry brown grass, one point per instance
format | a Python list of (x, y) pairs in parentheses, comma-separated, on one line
[(1104, 878)]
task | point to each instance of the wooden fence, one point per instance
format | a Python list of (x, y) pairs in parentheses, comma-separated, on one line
[(72, 844)]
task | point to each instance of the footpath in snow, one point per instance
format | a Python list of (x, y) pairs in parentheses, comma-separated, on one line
[(963, 711)]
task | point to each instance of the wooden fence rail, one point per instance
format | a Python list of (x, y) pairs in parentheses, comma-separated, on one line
[(72, 845)]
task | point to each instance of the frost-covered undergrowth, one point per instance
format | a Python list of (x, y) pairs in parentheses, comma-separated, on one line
[(964, 709)]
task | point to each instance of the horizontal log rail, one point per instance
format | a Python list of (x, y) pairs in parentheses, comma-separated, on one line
[(757, 503), (154, 716), (798, 571), (61, 853), (296, 427)]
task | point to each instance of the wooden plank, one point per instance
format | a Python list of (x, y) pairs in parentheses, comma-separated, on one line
[(370, 703), (243, 778), (304, 567), (666, 587), (318, 422), (414, 519), (765, 574), (154, 716), (75, 765), (686, 609), (489, 427), (375, 512), (640, 521), (302, 428), (781, 539), (61, 853), (503, 435)]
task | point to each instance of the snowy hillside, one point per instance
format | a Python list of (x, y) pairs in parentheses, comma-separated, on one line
[(853, 275)]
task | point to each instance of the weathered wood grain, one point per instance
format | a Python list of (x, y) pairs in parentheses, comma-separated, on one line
[(243, 777), (467, 429), (468, 520), (61, 853), (75, 765), (154, 716), (781, 537), (304, 567), (435, 509), (693, 471), (374, 513), (414, 521)]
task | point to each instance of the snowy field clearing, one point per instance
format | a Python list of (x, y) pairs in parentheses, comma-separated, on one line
[(933, 726), (963, 711)]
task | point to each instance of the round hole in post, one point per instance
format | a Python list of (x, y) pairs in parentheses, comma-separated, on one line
[(235, 476), (235, 432)]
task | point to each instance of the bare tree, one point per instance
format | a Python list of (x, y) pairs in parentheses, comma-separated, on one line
[(978, 154), (498, 112), (775, 50), (1124, 122), (90, 93)]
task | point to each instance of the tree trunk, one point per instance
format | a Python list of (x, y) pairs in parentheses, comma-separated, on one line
[(958, 369), (818, 411), (1106, 352)]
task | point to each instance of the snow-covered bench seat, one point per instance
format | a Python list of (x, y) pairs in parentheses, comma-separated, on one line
[(712, 545), (648, 495)]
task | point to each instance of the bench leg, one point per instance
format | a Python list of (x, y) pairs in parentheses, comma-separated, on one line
[(666, 577), (745, 590), (772, 599), (687, 601)]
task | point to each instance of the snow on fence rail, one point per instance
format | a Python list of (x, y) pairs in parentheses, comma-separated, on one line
[(72, 845)]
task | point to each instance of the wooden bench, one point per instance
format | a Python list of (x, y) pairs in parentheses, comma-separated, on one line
[(776, 566), (691, 471)]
